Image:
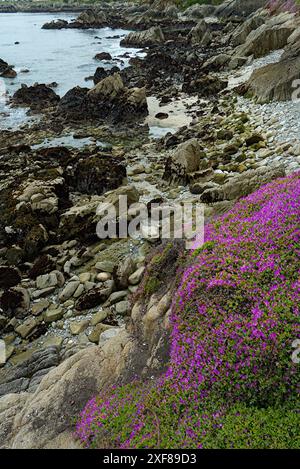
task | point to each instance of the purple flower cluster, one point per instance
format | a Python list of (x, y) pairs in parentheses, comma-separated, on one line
[(234, 318), (283, 5)]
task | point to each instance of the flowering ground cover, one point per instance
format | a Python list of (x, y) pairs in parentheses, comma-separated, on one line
[(231, 380)]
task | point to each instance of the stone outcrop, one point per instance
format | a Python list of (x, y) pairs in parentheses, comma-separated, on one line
[(269, 36), (43, 418), (87, 19), (146, 38), (243, 184), (55, 24), (278, 81), (7, 71), (109, 99), (37, 97), (200, 34)]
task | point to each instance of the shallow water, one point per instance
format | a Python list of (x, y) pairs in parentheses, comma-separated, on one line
[(63, 56), (70, 141), (177, 112), (67, 57)]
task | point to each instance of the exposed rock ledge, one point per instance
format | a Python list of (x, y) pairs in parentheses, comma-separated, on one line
[(45, 418)]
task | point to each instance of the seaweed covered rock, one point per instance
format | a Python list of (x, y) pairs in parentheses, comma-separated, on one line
[(6, 71), (102, 73), (37, 97), (109, 99), (9, 277), (74, 102), (89, 19), (205, 86), (55, 24)]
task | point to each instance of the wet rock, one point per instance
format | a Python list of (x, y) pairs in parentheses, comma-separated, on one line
[(109, 99), (102, 73), (103, 56), (97, 174), (37, 97), (55, 24), (42, 265), (161, 115), (205, 86), (253, 139), (14, 255), (9, 73), (3, 65), (14, 301), (73, 102), (90, 19), (6, 71)]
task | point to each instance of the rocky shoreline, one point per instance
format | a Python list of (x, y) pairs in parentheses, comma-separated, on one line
[(63, 290)]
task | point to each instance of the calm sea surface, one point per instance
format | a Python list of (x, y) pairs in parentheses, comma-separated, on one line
[(62, 56)]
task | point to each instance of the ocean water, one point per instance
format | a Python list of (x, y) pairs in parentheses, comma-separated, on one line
[(62, 56)]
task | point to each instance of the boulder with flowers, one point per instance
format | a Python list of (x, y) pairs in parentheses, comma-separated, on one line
[(231, 381)]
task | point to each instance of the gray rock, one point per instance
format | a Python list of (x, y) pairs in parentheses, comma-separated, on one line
[(122, 307), (69, 290), (136, 276)]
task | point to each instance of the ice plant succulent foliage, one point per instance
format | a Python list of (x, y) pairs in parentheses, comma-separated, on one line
[(234, 318)]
